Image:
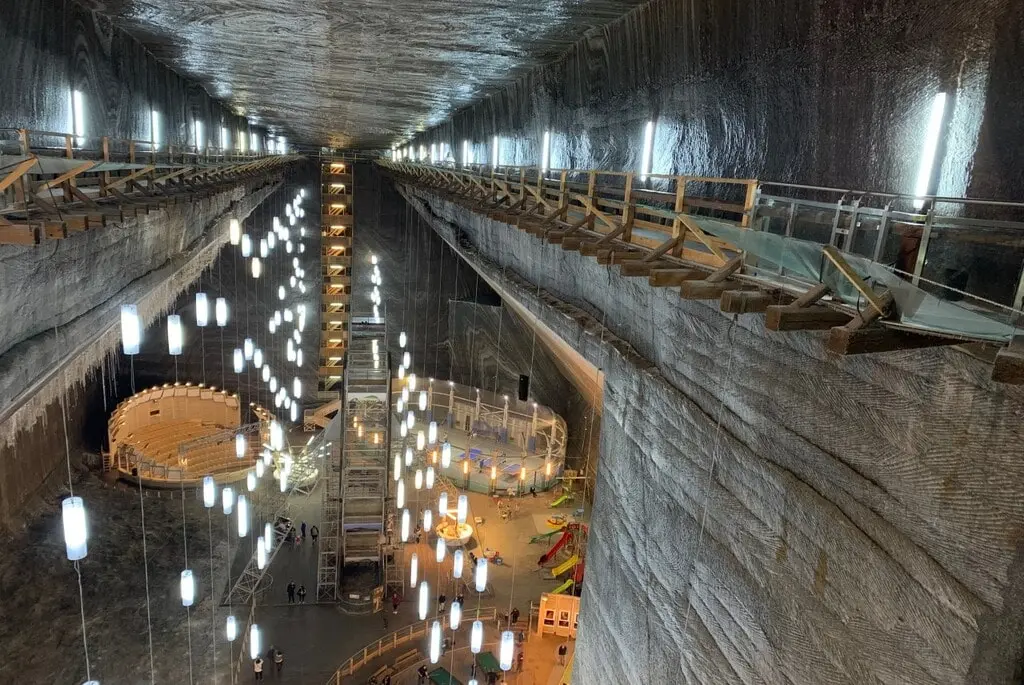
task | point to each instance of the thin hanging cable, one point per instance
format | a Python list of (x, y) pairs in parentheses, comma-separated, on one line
[(497, 342), (437, 334), (472, 345), (71, 490), (451, 316), (184, 538), (711, 469)]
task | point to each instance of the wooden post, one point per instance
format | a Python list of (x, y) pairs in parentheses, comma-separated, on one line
[(21, 186), (748, 203), (69, 148), (628, 211), (591, 191), (563, 185), (105, 176), (678, 227)]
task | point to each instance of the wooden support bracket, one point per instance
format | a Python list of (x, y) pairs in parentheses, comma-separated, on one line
[(641, 268), (803, 314), (667, 278), (1009, 364), (748, 301)]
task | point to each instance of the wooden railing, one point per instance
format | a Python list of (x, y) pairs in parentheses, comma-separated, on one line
[(400, 637)]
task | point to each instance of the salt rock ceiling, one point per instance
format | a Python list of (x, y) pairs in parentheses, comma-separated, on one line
[(359, 73)]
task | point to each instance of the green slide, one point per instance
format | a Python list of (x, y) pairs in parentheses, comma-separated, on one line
[(545, 536), (560, 500)]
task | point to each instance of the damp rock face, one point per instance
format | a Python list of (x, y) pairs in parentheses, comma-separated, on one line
[(766, 513)]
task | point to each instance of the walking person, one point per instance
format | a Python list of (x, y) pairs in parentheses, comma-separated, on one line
[(303, 528), (514, 615), (441, 599), (314, 533), (421, 675), (257, 668), (278, 661), (562, 650), (395, 601), (302, 594), (519, 661), (291, 592)]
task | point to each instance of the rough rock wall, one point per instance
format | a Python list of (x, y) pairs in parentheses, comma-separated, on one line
[(105, 267), (833, 92), (51, 47), (766, 513)]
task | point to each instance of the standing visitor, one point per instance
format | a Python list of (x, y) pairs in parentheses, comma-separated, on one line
[(303, 527), (395, 601), (421, 675), (514, 615), (519, 661), (257, 668), (314, 533), (302, 594), (562, 649), (441, 599), (278, 661), (291, 592)]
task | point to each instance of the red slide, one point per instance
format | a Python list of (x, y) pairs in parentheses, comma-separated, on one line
[(547, 556)]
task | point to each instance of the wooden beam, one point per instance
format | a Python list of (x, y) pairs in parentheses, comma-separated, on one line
[(1009, 364), (794, 318), (848, 340), (747, 301), (66, 176), (662, 249), (667, 278), (726, 270), (18, 234), (617, 256), (641, 268), (16, 173), (571, 242), (709, 290), (833, 255)]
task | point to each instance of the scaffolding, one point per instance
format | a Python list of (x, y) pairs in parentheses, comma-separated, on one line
[(336, 224), (330, 489), (364, 460)]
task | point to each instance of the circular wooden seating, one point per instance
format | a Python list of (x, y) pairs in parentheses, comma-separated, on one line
[(152, 436)]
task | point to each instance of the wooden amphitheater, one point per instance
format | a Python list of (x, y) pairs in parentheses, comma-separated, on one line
[(173, 435)]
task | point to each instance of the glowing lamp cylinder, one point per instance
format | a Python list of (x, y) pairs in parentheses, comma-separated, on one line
[(243, 516), (455, 614), (418, 479), (457, 563), (508, 646), (414, 569), (442, 504), (209, 492), (405, 525), (175, 336), (220, 311), (202, 310), (227, 500), (231, 628), (435, 642), (481, 574), (400, 493), (188, 588), (431, 427), (76, 534), (261, 553), (476, 637), (423, 401), (240, 445), (439, 550), (446, 454), (424, 600), (430, 478), (254, 641), (462, 510)]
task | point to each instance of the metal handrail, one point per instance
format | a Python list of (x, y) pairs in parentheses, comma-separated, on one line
[(399, 637)]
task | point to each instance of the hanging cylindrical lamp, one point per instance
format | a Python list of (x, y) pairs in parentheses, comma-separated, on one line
[(264, 248), (257, 266), (430, 478), (439, 550), (231, 628), (227, 500), (296, 387), (243, 516), (202, 310), (298, 357), (396, 470), (280, 292), (457, 562), (421, 441), (405, 525), (408, 456), (432, 426), (271, 240), (268, 536), (188, 588), (248, 348), (405, 395), (265, 373), (403, 430), (209, 492), (75, 532), (175, 337), (508, 646), (234, 231), (273, 384), (481, 574), (261, 468), (476, 637), (402, 340), (423, 400), (282, 480), (414, 569), (446, 454), (442, 504), (238, 361), (407, 360), (250, 480), (455, 614), (400, 493), (257, 358), (254, 641), (428, 519), (261, 553), (246, 245), (220, 311), (400, 407), (401, 372), (423, 604), (410, 420), (131, 329), (240, 445), (435, 642), (412, 380), (276, 434), (462, 511), (418, 479), (494, 473)]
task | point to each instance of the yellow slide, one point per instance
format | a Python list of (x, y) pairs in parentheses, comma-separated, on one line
[(563, 587), (564, 566)]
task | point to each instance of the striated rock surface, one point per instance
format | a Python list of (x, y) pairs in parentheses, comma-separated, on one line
[(768, 514)]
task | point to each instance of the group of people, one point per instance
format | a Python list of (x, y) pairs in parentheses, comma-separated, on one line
[(273, 654)]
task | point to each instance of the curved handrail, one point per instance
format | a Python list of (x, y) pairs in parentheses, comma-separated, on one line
[(399, 637)]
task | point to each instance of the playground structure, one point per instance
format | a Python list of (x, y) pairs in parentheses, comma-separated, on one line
[(453, 533), (569, 534), (147, 433)]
